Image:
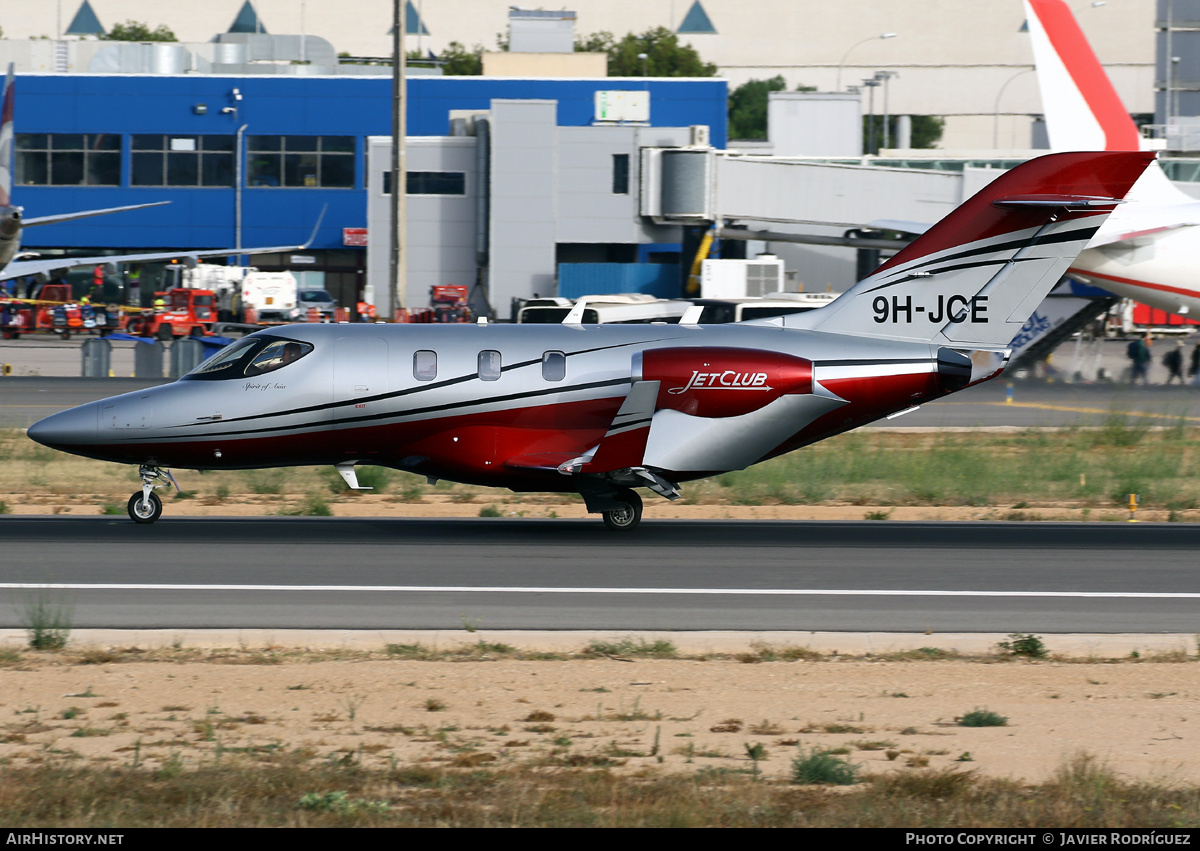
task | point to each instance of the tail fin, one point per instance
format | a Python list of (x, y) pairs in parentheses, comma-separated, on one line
[(1083, 111), (6, 138), (977, 275)]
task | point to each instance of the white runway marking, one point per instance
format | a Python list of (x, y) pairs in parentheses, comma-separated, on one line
[(503, 589)]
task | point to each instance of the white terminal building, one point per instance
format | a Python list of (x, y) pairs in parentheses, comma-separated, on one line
[(967, 62)]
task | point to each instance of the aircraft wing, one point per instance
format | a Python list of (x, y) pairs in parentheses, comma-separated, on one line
[(48, 266), (83, 214), (51, 265)]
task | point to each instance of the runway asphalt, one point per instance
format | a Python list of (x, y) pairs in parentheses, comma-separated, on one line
[(336, 573)]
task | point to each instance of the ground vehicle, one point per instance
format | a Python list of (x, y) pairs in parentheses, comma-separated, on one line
[(622, 309), (273, 296), (312, 299), (773, 304), (187, 313), (602, 409)]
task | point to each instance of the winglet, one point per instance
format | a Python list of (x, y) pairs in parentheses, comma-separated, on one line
[(575, 315), (313, 236), (624, 444)]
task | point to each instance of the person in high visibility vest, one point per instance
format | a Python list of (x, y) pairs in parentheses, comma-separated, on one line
[(160, 304), (366, 312)]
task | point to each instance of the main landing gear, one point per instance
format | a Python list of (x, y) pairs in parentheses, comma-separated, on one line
[(145, 506), (628, 512)]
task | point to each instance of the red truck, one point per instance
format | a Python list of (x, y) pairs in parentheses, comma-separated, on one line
[(186, 313)]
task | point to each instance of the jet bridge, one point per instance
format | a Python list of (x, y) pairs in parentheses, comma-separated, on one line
[(702, 185)]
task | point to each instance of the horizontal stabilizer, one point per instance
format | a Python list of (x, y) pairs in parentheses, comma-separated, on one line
[(1065, 202)]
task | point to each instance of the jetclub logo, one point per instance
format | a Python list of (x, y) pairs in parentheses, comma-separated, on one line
[(719, 381), (729, 379)]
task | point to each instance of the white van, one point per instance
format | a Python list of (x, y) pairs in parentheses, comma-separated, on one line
[(624, 309), (721, 310)]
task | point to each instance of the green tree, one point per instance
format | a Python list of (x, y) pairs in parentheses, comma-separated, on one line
[(137, 31), (457, 61), (926, 131), (665, 56), (748, 107)]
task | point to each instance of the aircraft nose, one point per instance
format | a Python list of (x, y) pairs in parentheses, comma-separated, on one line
[(66, 429)]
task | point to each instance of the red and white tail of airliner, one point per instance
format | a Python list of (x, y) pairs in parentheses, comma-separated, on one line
[(1149, 249)]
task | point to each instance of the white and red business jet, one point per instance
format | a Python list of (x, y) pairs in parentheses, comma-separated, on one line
[(603, 409), (1149, 249)]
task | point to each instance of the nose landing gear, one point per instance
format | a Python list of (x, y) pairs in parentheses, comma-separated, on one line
[(145, 506)]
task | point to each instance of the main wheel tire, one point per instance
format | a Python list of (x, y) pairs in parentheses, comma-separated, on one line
[(144, 511), (627, 515)]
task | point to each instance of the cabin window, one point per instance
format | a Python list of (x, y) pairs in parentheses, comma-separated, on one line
[(554, 366), (249, 356), (277, 355), (425, 365), (489, 365)]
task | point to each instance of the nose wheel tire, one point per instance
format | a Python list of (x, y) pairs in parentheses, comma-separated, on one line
[(627, 514), (143, 510)]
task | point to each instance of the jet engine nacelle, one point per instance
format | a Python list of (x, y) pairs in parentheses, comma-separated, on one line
[(714, 382)]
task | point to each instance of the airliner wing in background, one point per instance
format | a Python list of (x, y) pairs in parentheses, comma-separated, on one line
[(55, 266)]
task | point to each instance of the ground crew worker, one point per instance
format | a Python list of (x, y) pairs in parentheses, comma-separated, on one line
[(160, 304)]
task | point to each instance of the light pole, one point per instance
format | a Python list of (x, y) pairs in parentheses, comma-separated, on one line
[(643, 57), (996, 107), (842, 64), (1173, 90), (883, 77), (871, 84), (396, 289)]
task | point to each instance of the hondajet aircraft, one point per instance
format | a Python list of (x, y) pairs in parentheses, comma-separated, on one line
[(603, 409)]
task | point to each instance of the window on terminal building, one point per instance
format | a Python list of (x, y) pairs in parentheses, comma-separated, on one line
[(300, 161), (430, 182), (68, 159), (620, 174), (159, 160)]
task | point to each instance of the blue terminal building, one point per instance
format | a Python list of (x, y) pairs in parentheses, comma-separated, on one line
[(254, 160)]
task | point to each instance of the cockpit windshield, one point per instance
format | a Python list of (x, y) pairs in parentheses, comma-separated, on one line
[(249, 357)]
